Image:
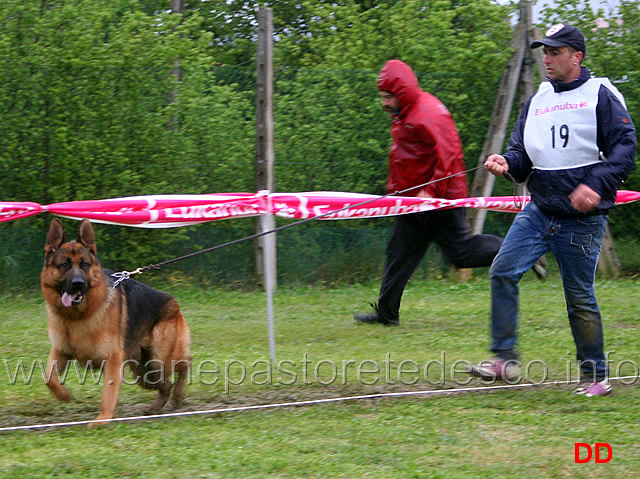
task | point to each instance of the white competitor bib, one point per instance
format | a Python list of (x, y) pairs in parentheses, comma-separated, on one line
[(561, 128)]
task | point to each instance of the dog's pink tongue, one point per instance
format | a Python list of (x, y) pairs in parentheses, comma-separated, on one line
[(67, 299)]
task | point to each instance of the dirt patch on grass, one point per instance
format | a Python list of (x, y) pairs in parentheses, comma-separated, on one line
[(53, 412)]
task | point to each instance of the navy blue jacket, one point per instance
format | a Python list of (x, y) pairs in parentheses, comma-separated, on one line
[(616, 135)]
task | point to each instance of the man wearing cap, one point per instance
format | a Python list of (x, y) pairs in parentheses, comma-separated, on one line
[(574, 142)]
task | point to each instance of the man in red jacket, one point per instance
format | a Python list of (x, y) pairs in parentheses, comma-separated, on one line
[(426, 147)]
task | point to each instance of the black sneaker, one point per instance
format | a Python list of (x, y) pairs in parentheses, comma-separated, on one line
[(373, 317), (541, 268)]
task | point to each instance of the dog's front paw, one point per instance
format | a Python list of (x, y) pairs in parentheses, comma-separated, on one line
[(103, 418), (61, 393)]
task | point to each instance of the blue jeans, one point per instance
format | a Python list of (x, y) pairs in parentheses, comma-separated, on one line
[(576, 243)]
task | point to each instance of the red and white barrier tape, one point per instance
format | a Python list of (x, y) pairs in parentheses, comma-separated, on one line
[(168, 211)]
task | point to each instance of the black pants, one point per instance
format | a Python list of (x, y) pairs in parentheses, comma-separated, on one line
[(411, 236)]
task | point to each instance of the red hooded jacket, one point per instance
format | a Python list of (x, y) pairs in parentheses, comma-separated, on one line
[(426, 145)]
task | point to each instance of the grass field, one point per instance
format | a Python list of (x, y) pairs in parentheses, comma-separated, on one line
[(521, 432)]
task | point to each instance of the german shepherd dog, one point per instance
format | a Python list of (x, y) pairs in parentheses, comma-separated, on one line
[(109, 327)]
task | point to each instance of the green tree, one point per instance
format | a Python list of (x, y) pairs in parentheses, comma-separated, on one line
[(449, 45), (91, 107), (89, 103)]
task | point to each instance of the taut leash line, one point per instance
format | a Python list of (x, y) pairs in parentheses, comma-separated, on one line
[(124, 275)]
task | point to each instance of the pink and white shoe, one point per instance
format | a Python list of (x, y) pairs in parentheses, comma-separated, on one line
[(497, 368), (602, 388)]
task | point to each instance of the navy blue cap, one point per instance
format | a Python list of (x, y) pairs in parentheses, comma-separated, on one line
[(561, 35)]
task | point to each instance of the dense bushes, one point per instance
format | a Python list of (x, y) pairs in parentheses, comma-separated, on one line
[(108, 99)]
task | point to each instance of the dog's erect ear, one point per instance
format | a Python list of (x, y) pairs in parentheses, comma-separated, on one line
[(55, 237), (86, 236)]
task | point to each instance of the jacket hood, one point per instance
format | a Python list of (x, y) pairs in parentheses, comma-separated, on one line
[(398, 78)]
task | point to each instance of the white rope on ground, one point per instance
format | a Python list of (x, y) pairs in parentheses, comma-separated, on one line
[(298, 403)]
